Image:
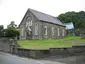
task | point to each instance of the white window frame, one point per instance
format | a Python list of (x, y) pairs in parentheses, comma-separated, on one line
[(52, 30), (22, 31), (63, 32), (36, 29), (30, 22), (27, 24), (58, 31), (45, 30)]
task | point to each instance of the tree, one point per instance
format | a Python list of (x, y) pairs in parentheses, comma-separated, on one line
[(1, 30), (12, 30), (12, 24), (77, 18), (1, 27)]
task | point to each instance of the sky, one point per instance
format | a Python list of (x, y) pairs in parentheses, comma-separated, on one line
[(14, 10), (69, 25)]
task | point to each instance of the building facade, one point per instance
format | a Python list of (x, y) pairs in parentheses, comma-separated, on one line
[(38, 25)]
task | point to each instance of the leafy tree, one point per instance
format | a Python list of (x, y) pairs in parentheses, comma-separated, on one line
[(1, 27), (77, 18), (1, 30), (12, 30), (12, 24)]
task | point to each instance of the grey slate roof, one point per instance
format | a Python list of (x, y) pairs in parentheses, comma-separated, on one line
[(46, 17)]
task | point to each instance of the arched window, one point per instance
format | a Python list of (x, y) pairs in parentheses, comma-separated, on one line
[(45, 30), (52, 30), (36, 29), (22, 31), (58, 32), (28, 21), (27, 24), (63, 32)]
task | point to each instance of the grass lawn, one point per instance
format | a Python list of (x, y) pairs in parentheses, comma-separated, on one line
[(46, 44)]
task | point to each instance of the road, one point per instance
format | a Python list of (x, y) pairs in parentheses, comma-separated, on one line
[(6, 58), (76, 59)]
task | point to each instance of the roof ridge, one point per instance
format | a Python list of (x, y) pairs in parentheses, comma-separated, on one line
[(40, 12), (46, 17), (44, 13)]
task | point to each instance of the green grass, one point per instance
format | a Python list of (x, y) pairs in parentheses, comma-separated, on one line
[(46, 44)]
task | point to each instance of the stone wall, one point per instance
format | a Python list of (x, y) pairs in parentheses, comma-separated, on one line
[(4, 45), (8, 45), (51, 52), (32, 53)]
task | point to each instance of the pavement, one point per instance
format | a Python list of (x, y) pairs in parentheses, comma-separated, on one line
[(78, 59), (6, 58)]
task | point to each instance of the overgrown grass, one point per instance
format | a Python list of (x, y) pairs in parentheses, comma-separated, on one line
[(46, 44)]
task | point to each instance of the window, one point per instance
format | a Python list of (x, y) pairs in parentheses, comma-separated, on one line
[(36, 29), (28, 18), (45, 30), (63, 32), (30, 22), (58, 32), (52, 30), (22, 30), (27, 23)]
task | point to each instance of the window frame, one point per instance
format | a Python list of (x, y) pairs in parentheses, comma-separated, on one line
[(45, 30), (58, 31), (63, 32), (28, 21), (52, 30), (22, 31), (36, 29), (31, 22)]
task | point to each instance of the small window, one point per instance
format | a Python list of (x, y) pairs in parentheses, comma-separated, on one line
[(36, 29), (45, 30), (58, 32), (52, 30)]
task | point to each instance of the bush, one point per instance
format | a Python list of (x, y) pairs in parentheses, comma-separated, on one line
[(83, 36), (11, 32)]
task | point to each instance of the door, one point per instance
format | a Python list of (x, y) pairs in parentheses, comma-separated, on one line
[(29, 35)]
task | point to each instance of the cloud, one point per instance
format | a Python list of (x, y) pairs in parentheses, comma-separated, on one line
[(0, 2), (14, 10)]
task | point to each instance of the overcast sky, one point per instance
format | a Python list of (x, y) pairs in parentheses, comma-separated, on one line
[(14, 10)]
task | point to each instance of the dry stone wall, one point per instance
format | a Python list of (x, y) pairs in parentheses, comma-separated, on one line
[(51, 52)]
